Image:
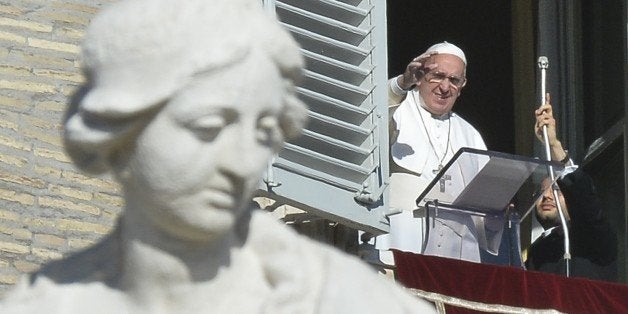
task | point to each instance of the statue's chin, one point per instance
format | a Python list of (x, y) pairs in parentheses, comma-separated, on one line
[(199, 227)]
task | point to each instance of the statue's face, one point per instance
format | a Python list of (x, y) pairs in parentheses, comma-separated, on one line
[(194, 167)]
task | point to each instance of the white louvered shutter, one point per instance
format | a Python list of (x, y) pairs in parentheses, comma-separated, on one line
[(338, 168)]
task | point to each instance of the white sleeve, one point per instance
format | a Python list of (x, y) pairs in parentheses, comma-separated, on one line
[(395, 88)]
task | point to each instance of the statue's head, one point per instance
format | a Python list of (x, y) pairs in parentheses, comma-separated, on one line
[(185, 103)]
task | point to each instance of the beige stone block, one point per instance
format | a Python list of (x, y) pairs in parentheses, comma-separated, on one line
[(72, 33), (7, 36), (9, 124), (8, 114), (29, 25), (51, 154), (46, 254), (53, 45), (40, 2), (60, 75), (110, 215), (13, 102), (14, 248), (22, 234), (81, 226), (114, 200), (39, 59), (36, 222), (14, 143), (76, 243), (4, 263), (48, 240), (6, 69), (9, 215), (12, 196), (9, 9), (66, 18), (264, 202), (6, 229), (48, 171), (42, 123), (54, 138), (28, 86), (55, 106), (22, 180), (67, 205), (98, 182), (76, 7), (13, 161), (71, 192), (9, 279), (290, 210), (25, 266), (69, 90)]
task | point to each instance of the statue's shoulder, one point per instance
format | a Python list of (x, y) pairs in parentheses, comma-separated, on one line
[(46, 296), (313, 275), (78, 283)]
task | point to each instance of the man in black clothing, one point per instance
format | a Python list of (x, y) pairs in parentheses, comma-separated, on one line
[(593, 242)]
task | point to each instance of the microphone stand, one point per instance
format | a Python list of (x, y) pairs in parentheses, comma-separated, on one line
[(543, 65)]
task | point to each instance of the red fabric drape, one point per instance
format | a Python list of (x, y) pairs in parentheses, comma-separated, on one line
[(508, 285)]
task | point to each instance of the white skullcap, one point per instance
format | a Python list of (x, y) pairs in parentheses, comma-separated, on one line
[(448, 48)]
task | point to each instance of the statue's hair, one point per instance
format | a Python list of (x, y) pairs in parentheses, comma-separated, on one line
[(138, 53)]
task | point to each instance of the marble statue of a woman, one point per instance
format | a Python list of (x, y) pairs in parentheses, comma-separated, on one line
[(185, 103)]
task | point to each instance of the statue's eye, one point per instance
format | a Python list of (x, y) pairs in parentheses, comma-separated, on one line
[(208, 127), (269, 131)]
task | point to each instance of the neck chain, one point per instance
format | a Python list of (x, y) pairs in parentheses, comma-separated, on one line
[(429, 138)]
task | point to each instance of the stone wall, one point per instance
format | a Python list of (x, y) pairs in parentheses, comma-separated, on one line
[(47, 207)]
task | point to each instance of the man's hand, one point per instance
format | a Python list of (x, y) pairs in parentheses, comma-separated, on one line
[(545, 117), (415, 71)]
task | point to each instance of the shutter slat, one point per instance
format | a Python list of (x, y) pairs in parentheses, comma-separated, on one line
[(328, 46), (335, 88), (336, 10), (321, 25), (340, 70)]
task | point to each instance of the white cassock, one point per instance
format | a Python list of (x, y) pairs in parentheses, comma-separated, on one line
[(421, 150)]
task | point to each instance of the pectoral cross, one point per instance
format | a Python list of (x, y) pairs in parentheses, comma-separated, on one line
[(442, 179)]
